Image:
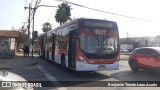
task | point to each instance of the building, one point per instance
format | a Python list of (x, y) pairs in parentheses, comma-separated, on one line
[(135, 42), (8, 43)]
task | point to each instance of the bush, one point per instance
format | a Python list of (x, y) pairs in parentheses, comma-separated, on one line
[(17, 50)]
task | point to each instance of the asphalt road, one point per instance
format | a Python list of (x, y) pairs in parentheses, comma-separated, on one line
[(45, 71)]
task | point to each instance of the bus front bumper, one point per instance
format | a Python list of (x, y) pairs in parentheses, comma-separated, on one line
[(80, 66)]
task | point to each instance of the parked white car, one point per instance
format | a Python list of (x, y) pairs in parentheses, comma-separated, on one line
[(123, 50)]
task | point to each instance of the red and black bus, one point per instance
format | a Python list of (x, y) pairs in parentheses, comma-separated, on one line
[(83, 45)]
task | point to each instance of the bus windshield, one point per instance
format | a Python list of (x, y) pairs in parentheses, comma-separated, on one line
[(99, 43)]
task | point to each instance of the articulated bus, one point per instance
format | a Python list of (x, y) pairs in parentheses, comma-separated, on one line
[(82, 45)]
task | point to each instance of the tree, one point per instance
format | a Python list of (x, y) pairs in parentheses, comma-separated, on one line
[(23, 37), (46, 27), (60, 15)]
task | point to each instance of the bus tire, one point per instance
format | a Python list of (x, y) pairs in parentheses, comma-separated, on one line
[(63, 63), (47, 55)]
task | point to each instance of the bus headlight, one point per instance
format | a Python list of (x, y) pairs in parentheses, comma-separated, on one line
[(82, 59)]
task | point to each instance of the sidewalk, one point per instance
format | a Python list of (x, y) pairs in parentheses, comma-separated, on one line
[(19, 61)]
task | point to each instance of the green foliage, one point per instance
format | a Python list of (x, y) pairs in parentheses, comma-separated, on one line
[(60, 15), (46, 27)]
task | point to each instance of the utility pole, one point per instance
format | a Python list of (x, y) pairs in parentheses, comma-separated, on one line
[(34, 10), (29, 25), (127, 40)]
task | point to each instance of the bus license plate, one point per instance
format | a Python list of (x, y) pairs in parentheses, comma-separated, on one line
[(101, 67)]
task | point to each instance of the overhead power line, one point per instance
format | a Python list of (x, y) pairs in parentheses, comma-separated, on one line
[(104, 11)]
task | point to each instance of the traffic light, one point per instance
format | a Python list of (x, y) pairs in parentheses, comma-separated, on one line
[(68, 13), (35, 34)]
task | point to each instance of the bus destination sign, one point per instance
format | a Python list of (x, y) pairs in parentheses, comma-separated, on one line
[(99, 24)]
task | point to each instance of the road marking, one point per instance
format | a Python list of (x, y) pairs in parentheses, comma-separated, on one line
[(51, 78)]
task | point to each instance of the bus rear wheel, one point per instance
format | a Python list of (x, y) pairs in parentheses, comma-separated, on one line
[(63, 63)]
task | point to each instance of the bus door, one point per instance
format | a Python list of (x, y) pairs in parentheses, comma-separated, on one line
[(53, 46), (72, 49)]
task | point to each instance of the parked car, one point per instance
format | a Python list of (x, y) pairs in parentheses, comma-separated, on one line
[(144, 58), (123, 50)]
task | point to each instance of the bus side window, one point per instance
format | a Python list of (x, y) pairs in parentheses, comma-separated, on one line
[(60, 45), (65, 45), (56, 43)]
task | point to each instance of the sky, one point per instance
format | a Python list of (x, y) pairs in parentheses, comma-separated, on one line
[(14, 15)]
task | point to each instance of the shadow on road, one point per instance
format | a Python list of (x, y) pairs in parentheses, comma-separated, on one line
[(142, 75), (73, 78)]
